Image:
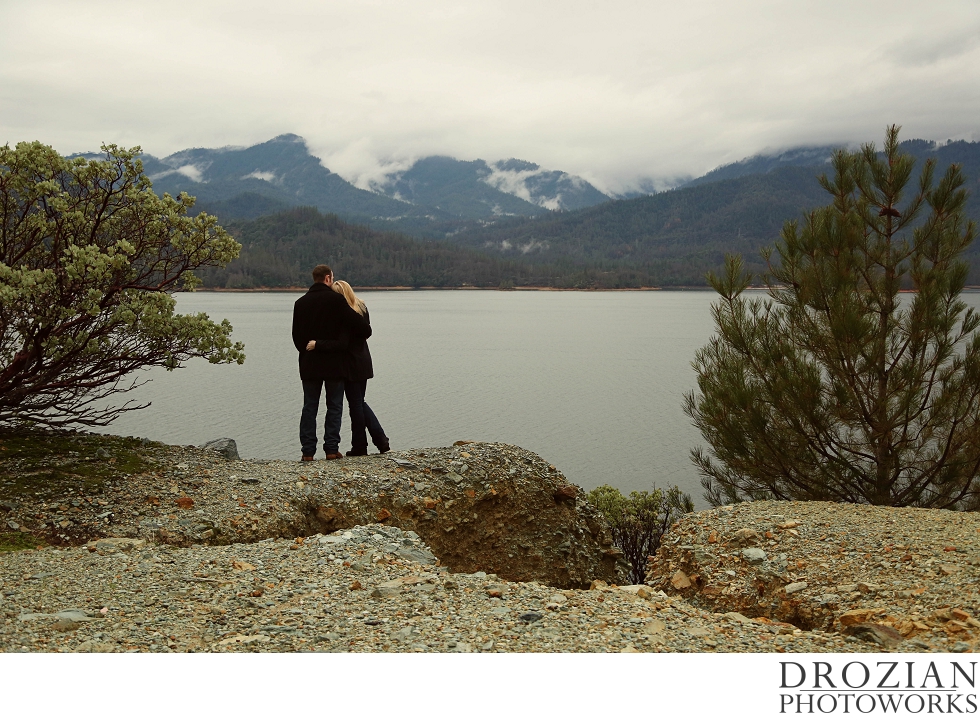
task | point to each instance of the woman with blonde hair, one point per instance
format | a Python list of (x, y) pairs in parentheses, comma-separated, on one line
[(359, 371)]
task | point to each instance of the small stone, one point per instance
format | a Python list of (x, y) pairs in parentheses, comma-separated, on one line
[(355, 586), (566, 493), (754, 555), (738, 617), (530, 617), (93, 645), (383, 593), (245, 639), (698, 632), (746, 536), (960, 647), (654, 626), (416, 555), (795, 587), (856, 616), (680, 580), (65, 625), (879, 633)]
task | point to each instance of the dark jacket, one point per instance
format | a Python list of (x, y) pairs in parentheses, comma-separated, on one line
[(359, 365), (324, 315)]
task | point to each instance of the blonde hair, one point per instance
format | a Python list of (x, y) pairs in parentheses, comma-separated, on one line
[(352, 299)]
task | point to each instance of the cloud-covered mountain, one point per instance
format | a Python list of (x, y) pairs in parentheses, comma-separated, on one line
[(245, 183), (478, 189), (267, 177)]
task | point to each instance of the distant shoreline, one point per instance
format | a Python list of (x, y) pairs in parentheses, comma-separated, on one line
[(395, 288)]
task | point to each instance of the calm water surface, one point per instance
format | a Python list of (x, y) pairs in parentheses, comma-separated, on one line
[(591, 381)]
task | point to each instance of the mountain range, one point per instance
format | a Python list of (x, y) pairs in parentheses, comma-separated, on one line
[(246, 183), (544, 227)]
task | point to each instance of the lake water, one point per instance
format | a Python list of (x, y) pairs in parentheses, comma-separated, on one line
[(591, 381)]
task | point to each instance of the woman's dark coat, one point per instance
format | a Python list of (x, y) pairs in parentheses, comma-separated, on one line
[(359, 365)]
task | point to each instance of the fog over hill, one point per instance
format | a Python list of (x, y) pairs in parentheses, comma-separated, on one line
[(245, 183), (570, 233), (478, 189)]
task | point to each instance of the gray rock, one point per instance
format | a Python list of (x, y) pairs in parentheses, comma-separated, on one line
[(961, 647), (420, 557), (530, 617), (225, 446), (384, 593), (795, 587), (753, 555), (738, 617), (93, 645), (879, 633)]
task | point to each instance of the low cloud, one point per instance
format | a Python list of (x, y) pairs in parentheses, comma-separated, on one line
[(269, 176), (191, 171), (623, 94)]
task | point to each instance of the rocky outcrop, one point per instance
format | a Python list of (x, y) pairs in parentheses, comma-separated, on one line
[(867, 571), (479, 506)]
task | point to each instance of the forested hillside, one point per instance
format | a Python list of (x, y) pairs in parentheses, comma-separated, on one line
[(668, 239), (280, 250), (678, 235)]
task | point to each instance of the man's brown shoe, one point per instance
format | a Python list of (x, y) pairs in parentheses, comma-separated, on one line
[(334, 456), (307, 459)]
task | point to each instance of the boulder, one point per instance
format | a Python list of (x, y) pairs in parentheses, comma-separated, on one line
[(225, 446)]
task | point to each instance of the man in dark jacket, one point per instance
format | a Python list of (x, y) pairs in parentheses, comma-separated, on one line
[(323, 324)]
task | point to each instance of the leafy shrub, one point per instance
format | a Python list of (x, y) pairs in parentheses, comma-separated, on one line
[(639, 521)]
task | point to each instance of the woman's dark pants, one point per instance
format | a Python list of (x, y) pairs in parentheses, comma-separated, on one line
[(361, 417)]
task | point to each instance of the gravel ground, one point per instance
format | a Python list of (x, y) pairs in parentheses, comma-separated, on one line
[(901, 577), (189, 551), (360, 590)]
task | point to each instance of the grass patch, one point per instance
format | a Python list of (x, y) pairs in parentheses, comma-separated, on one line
[(36, 462), (16, 541)]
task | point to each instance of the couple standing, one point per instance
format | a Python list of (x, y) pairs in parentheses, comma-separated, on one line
[(330, 330)]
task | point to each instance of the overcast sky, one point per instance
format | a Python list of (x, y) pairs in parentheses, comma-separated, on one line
[(612, 90)]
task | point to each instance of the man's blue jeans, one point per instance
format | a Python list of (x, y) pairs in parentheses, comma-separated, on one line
[(335, 415)]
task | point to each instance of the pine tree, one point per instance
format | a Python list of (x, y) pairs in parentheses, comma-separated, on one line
[(834, 386)]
